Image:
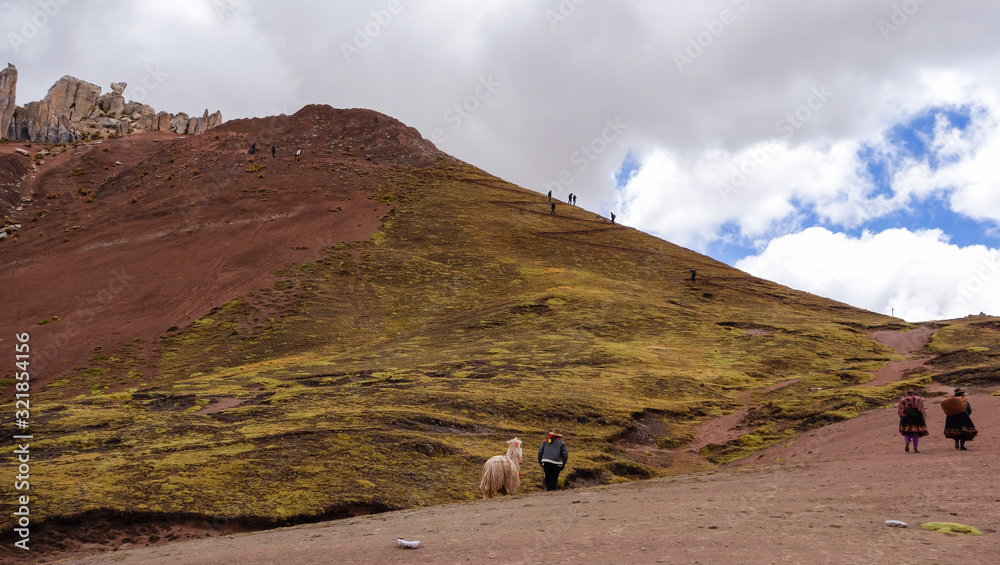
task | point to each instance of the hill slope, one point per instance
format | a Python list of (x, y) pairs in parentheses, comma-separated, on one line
[(823, 499), (262, 341)]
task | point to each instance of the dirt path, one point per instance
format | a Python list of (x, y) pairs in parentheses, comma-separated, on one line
[(720, 431), (821, 498), (905, 342), (895, 371)]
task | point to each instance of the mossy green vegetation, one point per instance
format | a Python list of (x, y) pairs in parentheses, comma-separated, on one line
[(951, 528), (383, 374), (967, 351)]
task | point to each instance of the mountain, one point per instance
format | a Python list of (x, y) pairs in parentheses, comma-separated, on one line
[(220, 337)]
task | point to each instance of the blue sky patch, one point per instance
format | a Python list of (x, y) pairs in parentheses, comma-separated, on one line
[(910, 139), (630, 166)]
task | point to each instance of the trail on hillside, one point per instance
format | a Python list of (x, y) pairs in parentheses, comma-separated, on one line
[(724, 429), (905, 343), (720, 431)]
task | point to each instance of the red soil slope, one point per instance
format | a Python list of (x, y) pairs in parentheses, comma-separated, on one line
[(125, 238)]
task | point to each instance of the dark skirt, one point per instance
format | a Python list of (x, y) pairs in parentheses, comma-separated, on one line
[(913, 424), (959, 427)]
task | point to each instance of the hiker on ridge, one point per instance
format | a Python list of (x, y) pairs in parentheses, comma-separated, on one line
[(298, 154), (552, 209), (694, 274), (612, 217), (958, 423), (553, 456), (912, 419)]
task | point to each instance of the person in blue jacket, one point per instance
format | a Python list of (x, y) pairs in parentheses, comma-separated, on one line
[(552, 456)]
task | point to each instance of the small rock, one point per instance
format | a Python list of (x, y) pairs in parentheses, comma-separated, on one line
[(895, 524), (407, 544)]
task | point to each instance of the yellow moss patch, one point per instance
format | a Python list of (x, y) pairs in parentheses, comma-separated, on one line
[(950, 528)]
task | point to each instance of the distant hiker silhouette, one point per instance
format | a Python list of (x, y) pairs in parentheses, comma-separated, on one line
[(574, 200), (298, 154), (550, 196), (273, 150), (253, 148), (552, 210), (694, 274), (612, 217), (569, 199)]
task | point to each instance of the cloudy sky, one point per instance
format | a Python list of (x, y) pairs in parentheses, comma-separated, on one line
[(848, 148)]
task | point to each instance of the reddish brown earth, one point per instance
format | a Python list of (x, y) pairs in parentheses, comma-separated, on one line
[(905, 342), (176, 225)]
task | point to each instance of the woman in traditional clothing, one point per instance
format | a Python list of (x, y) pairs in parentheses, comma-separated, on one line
[(912, 419), (957, 423)]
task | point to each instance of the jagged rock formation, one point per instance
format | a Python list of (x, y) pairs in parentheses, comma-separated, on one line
[(8, 86), (74, 109), (51, 120)]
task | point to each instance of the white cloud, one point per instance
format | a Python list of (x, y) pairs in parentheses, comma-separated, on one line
[(919, 274), (761, 189)]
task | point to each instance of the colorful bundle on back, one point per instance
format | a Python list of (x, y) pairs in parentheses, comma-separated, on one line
[(954, 405)]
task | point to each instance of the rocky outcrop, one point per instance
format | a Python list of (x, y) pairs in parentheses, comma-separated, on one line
[(162, 122), (112, 103), (179, 123), (51, 120), (74, 109), (71, 97), (214, 119), (8, 87)]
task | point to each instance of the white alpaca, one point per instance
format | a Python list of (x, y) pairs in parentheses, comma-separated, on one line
[(502, 473)]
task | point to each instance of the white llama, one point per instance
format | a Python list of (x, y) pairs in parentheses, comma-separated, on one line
[(502, 473)]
